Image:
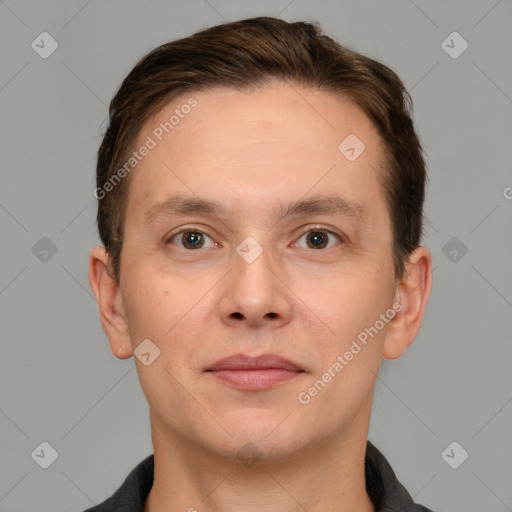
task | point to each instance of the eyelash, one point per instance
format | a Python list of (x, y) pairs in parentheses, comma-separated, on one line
[(195, 229), (322, 229)]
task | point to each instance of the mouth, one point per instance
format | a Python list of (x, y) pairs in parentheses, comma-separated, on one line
[(255, 373)]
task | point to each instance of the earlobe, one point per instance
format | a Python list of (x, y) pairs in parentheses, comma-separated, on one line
[(413, 292), (109, 300)]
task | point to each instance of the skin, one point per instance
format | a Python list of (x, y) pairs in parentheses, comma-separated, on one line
[(253, 152)]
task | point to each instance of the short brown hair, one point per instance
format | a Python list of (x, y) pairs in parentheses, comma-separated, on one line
[(247, 54)]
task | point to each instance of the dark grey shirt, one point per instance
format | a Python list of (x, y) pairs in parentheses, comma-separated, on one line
[(385, 491)]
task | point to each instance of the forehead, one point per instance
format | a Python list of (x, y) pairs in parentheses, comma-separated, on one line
[(248, 145), (311, 119)]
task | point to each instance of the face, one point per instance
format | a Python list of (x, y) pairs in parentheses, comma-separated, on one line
[(289, 255)]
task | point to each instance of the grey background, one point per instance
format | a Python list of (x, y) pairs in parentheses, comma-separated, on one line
[(59, 381)]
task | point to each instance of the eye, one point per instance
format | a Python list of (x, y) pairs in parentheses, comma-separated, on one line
[(318, 239), (191, 240)]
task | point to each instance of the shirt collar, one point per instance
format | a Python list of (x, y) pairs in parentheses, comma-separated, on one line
[(385, 491)]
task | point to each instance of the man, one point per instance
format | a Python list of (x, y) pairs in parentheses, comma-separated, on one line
[(260, 193)]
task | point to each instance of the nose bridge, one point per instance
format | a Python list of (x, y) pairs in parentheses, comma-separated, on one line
[(252, 274), (255, 293)]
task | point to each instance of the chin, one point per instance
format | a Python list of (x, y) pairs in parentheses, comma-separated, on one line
[(250, 449)]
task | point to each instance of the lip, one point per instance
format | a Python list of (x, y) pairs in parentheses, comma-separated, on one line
[(255, 373), (262, 362)]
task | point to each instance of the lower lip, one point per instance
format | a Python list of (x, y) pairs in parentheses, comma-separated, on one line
[(255, 379)]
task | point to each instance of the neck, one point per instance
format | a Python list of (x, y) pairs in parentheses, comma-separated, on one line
[(328, 476)]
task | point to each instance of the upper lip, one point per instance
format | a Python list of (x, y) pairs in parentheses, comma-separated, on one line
[(246, 362)]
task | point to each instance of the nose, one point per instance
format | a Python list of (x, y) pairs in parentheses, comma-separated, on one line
[(256, 294)]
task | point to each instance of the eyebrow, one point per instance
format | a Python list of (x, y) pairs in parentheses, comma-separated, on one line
[(323, 204)]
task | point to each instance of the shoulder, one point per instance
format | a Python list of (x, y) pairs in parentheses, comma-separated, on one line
[(383, 487), (131, 495)]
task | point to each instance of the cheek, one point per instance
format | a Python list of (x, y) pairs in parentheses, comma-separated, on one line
[(153, 304), (345, 302), (348, 356), (172, 312)]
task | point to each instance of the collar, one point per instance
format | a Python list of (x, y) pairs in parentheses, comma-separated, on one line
[(385, 491)]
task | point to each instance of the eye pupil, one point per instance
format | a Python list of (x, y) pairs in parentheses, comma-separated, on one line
[(192, 239), (195, 239), (318, 239)]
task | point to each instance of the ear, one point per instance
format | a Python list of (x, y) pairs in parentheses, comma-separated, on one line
[(110, 303), (413, 292)]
